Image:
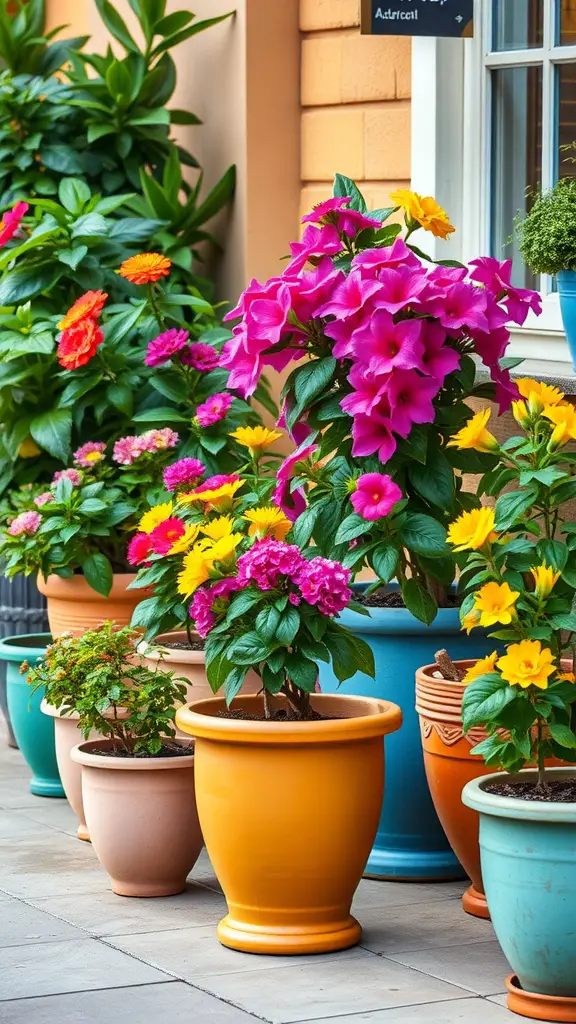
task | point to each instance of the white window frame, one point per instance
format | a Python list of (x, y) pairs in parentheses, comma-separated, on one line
[(451, 157)]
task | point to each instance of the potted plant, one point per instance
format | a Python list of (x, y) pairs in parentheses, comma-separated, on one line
[(389, 338), (34, 733), (546, 240), (522, 578), (263, 607), (137, 781)]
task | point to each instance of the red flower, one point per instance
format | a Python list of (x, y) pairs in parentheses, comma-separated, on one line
[(11, 222), (87, 307), (165, 535), (139, 549), (78, 345)]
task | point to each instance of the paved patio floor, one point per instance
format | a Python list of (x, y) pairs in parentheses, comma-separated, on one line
[(71, 951)]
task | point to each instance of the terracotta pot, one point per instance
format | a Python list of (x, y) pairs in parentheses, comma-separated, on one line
[(289, 811), (142, 819), (538, 1006), (187, 663), (74, 607)]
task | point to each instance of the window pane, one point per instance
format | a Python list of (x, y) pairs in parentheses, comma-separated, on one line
[(566, 120), (567, 22), (517, 24), (516, 157)]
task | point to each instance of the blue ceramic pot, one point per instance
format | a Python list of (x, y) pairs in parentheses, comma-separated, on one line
[(410, 843), (529, 871), (567, 295), (34, 731)]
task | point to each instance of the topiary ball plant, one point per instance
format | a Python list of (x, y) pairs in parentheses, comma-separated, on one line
[(547, 236)]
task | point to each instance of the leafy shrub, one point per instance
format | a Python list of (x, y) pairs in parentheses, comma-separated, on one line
[(547, 236)]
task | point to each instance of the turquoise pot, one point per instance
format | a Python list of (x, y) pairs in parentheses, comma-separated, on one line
[(567, 295), (34, 731), (527, 851), (410, 843)]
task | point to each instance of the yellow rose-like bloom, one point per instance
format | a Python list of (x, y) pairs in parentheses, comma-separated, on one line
[(564, 419), (482, 667), (218, 528), (267, 522), (527, 386), (474, 435), (527, 664), (154, 516), (255, 438), (196, 568), (424, 210), (521, 414), (224, 550), (472, 530), (221, 498), (470, 621), (545, 579), (495, 602), (185, 542), (567, 677)]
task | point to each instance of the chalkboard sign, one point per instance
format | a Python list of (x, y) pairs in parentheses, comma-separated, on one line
[(418, 17)]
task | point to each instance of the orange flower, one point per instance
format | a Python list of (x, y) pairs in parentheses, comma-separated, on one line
[(77, 345), (145, 268), (87, 307)]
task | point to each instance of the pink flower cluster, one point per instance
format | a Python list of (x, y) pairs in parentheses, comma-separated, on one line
[(128, 449), (184, 473), (214, 409), (26, 523), (89, 454), (200, 357), (43, 499), (208, 600), (175, 342), (139, 549), (72, 475)]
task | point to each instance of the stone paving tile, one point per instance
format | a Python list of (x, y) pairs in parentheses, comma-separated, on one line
[(21, 925), (55, 814), (456, 1011), (334, 988), (480, 967), (371, 893), (53, 864), (172, 1001), (72, 966), (418, 926), (14, 825), (17, 793), (203, 872), (108, 914), (191, 952)]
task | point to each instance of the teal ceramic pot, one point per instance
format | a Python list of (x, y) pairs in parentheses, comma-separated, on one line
[(567, 295), (528, 856), (410, 843), (34, 731), (22, 609)]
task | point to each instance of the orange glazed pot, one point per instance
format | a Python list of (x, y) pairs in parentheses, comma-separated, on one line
[(74, 607), (289, 812)]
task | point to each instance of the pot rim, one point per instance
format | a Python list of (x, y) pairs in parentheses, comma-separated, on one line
[(60, 713), (426, 672), (12, 649), (77, 587), (81, 754), (181, 655), (474, 795), (381, 717)]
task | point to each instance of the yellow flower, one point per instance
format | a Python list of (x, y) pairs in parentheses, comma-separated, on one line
[(545, 579), (223, 550), (28, 449), (470, 621), (185, 542), (154, 516), (482, 667), (255, 438), (566, 677), (521, 414), (221, 498), (495, 602), (218, 528), (564, 419), (474, 435), (424, 210), (547, 394), (526, 664), (472, 530), (196, 568), (267, 522)]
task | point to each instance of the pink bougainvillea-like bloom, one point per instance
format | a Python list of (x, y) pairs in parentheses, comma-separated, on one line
[(438, 358), (200, 357), (321, 210), (292, 503), (184, 473), (44, 498), (400, 287), (166, 345), (128, 449), (372, 434), (90, 454), (395, 255), (369, 391), (410, 397), (267, 560), (349, 297), (164, 536), (213, 483), (160, 440), (315, 242), (139, 549), (334, 211), (214, 409), (72, 475), (385, 345), (460, 306), (26, 523), (496, 276), (209, 600), (375, 495), (325, 584), (11, 221)]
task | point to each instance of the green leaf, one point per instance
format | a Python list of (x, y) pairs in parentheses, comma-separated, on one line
[(419, 602), (563, 735), (511, 507), (384, 561), (146, 613), (120, 395), (351, 528), (98, 572), (301, 671), (435, 480), (567, 622), (423, 535), (249, 649), (310, 380), (73, 257), (288, 626), (344, 186), (304, 525), (160, 414), (233, 684), (115, 25), (484, 698), (52, 431), (62, 159), (242, 603), (73, 194), (553, 553), (91, 506), (20, 285), (90, 225), (266, 622)]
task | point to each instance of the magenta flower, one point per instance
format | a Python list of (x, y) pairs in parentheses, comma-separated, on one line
[(460, 306), (291, 502), (267, 560), (184, 473), (506, 390), (399, 288), (395, 255), (496, 277), (349, 297), (438, 359), (343, 331), (321, 210), (214, 409), (164, 536), (200, 357), (314, 288), (384, 345), (26, 523), (10, 222), (89, 454), (491, 346), (375, 495), (372, 434), (324, 583), (166, 345), (214, 482), (210, 602), (72, 475), (139, 549), (127, 450), (369, 391), (350, 222), (410, 397), (43, 499), (299, 432), (315, 242)]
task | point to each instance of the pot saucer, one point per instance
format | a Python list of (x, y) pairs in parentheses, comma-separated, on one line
[(474, 903), (538, 1006)]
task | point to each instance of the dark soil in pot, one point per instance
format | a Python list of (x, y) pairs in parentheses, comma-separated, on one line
[(168, 750), (393, 599), (558, 791)]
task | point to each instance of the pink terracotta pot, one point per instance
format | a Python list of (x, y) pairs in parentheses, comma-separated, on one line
[(142, 819), (189, 664)]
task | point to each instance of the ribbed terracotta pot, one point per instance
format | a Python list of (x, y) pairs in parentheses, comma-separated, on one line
[(449, 766), (289, 811), (74, 607), (142, 819)]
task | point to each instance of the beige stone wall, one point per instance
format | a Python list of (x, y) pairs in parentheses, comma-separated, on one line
[(355, 104)]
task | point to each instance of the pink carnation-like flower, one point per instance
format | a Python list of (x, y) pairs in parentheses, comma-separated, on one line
[(89, 454), (324, 583), (139, 549), (10, 222), (267, 560), (72, 475), (214, 409), (375, 495), (44, 498), (184, 473), (200, 357), (209, 601), (160, 440), (166, 345), (164, 536), (26, 522), (128, 449)]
